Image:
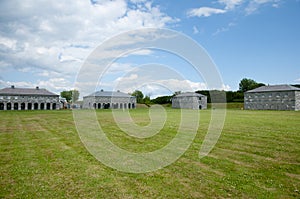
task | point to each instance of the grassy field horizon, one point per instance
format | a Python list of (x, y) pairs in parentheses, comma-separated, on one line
[(257, 156)]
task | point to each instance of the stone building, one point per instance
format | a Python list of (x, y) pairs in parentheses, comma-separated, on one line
[(189, 100), (109, 100), (276, 97), (28, 99)]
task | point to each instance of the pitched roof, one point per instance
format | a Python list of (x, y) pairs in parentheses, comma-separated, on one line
[(109, 94), (189, 94), (270, 88), (26, 91)]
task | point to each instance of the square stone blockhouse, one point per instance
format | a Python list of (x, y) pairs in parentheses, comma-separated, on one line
[(28, 99), (189, 100), (276, 97), (109, 100)]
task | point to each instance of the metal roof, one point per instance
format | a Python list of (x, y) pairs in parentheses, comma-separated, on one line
[(26, 91), (109, 94), (189, 94), (270, 88)]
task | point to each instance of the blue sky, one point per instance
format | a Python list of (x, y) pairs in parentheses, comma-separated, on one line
[(45, 43)]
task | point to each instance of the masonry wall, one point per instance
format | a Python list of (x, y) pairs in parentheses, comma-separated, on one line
[(189, 102), (28, 102), (280, 100), (99, 102), (297, 100)]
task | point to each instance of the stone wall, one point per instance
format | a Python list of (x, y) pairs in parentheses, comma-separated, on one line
[(280, 100), (28, 102), (297, 100), (99, 102), (190, 102)]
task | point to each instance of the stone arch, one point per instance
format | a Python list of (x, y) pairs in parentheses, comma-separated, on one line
[(23, 106), (29, 106), (42, 106), (133, 105), (107, 106), (99, 105), (48, 106), (129, 106), (36, 106), (54, 106), (121, 105), (8, 106), (1, 106), (94, 106), (16, 106)]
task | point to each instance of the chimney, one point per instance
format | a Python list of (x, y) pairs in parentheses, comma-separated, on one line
[(12, 86), (37, 88)]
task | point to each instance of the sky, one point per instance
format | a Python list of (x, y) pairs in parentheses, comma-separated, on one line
[(48, 43)]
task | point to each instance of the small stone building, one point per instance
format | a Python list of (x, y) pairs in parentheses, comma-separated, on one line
[(275, 97), (109, 100), (28, 99), (189, 100)]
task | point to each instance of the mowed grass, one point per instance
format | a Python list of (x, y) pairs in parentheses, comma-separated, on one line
[(257, 156)]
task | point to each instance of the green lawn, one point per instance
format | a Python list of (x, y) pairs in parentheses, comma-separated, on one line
[(257, 156)]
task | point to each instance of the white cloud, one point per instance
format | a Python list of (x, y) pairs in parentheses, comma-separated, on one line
[(249, 7), (204, 12), (126, 79), (254, 5), (224, 29), (231, 4), (58, 36)]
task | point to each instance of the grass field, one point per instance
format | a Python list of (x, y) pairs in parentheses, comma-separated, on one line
[(257, 156)]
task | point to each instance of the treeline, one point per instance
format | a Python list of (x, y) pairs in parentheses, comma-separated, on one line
[(219, 96), (215, 96)]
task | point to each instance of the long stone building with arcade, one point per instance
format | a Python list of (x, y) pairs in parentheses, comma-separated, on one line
[(28, 99), (109, 100)]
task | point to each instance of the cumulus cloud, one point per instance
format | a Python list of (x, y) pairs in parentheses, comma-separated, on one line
[(57, 36)]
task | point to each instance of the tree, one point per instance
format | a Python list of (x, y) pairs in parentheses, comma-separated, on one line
[(248, 84), (162, 100), (139, 96), (71, 95), (75, 95), (147, 100)]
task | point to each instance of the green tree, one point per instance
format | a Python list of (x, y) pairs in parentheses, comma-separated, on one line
[(147, 100), (139, 96), (162, 100), (75, 95), (71, 95), (248, 84)]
